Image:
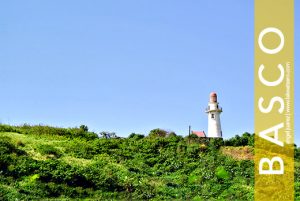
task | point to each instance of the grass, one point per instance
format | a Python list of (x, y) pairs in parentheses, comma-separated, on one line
[(30, 144), (238, 153), (76, 161)]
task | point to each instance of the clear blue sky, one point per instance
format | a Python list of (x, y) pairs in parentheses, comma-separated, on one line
[(128, 66)]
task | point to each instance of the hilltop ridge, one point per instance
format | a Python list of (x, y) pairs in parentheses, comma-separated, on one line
[(39, 162)]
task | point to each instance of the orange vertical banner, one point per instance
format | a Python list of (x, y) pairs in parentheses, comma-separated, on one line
[(274, 100)]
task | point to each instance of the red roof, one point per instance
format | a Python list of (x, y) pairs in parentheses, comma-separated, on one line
[(199, 133)]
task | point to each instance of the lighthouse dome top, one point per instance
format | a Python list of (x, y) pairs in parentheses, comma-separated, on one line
[(213, 97), (213, 94)]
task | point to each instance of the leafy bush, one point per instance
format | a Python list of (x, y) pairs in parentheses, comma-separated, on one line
[(136, 136), (221, 173), (81, 149), (47, 149), (20, 143), (43, 130), (216, 143), (8, 128), (158, 133), (297, 154), (6, 146), (244, 140), (159, 167)]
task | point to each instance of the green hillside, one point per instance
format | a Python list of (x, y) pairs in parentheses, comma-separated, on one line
[(47, 163)]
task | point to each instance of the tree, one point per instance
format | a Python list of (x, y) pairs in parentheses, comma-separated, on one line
[(84, 128), (158, 133), (171, 134), (108, 135), (103, 134), (136, 136)]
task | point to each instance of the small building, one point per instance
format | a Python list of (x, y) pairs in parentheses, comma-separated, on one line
[(199, 133)]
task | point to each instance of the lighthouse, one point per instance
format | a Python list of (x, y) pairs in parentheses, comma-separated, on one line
[(213, 111)]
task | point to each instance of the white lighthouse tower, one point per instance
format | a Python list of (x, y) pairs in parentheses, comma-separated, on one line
[(213, 110)]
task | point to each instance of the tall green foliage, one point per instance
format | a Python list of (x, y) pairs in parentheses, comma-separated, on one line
[(160, 166)]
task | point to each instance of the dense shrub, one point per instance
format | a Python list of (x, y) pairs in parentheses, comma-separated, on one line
[(135, 136), (48, 150), (43, 130), (8, 128), (159, 167), (157, 133), (244, 140), (297, 153), (216, 143), (81, 149), (6, 147)]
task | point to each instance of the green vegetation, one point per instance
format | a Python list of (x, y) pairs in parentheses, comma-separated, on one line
[(39, 162)]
